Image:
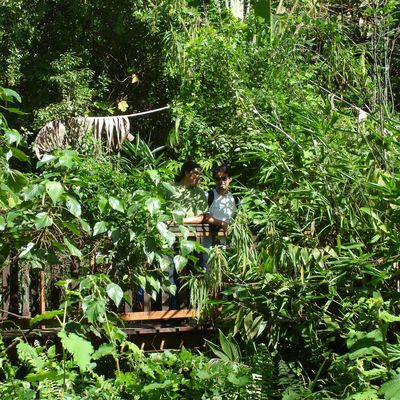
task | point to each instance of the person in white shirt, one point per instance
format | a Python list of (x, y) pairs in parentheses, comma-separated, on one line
[(222, 204)]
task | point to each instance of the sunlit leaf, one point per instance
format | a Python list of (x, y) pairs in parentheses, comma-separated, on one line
[(115, 293), (73, 206), (99, 227), (105, 349), (80, 348), (391, 389), (116, 204), (43, 220), (54, 190), (26, 249), (12, 136), (122, 105), (180, 262), (187, 247), (153, 205)]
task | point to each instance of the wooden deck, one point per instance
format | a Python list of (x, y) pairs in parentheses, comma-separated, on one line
[(25, 295)]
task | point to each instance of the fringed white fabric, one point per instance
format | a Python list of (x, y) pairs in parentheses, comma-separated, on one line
[(110, 132), (52, 136)]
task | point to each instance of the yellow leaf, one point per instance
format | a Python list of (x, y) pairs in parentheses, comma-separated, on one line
[(122, 105), (135, 78)]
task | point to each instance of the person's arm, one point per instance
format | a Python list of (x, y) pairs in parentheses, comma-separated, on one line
[(205, 219), (209, 219), (199, 219)]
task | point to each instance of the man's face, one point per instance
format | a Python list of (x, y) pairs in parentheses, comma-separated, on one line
[(222, 180), (193, 177)]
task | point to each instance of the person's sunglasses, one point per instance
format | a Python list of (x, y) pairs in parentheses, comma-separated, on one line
[(221, 178)]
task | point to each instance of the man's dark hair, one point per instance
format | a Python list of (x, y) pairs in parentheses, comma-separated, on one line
[(187, 166), (222, 168)]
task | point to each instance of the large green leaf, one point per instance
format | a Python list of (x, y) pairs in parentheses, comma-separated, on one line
[(187, 247), (239, 380), (180, 262), (115, 293), (104, 349), (99, 227), (72, 248), (43, 375), (45, 316), (11, 95), (391, 389), (43, 220), (85, 226), (94, 308), (80, 348), (102, 203), (15, 180), (116, 204), (153, 205), (19, 154), (26, 249), (73, 206), (54, 190), (167, 235), (12, 136)]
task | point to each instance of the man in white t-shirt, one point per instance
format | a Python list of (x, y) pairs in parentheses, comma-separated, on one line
[(222, 204)]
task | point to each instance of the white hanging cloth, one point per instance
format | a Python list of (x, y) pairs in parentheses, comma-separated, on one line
[(111, 132)]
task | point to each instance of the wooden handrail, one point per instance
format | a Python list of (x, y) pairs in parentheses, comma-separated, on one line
[(152, 315), (12, 290), (197, 230)]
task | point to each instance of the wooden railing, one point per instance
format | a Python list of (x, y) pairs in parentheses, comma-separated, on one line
[(24, 291)]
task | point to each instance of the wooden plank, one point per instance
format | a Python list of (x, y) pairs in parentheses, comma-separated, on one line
[(26, 280), (6, 291), (13, 286), (42, 291), (148, 315)]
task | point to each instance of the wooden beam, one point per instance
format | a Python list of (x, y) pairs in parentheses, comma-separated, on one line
[(42, 291), (148, 315)]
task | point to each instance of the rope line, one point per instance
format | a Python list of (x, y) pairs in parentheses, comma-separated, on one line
[(133, 115)]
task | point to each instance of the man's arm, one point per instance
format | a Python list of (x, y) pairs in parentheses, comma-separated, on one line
[(205, 219), (209, 219), (199, 219)]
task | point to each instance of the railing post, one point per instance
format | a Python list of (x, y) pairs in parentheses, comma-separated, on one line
[(42, 291)]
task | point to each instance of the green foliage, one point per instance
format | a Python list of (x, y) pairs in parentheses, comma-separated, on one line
[(301, 103), (11, 179), (71, 81)]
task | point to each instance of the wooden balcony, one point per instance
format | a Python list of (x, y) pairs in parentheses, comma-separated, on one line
[(25, 294)]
